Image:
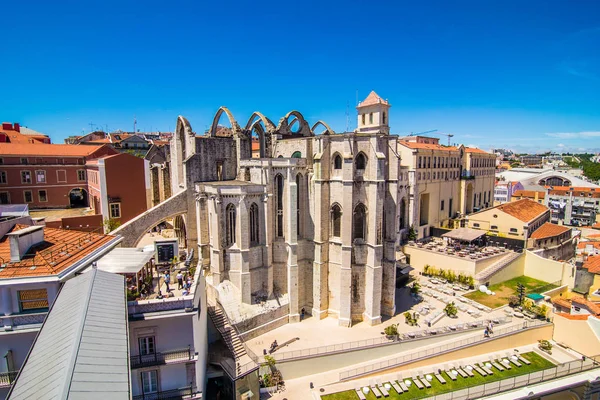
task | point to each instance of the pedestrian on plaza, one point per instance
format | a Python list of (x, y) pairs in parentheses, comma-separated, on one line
[(179, 280), (491, 328), (486, 333), (167, 280), (302, 314)]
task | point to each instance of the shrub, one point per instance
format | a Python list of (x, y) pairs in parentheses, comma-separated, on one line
[(545, 346), (542, 311), (451, 310), (416, 288), (270, 360), (513, 301), (391, 330)]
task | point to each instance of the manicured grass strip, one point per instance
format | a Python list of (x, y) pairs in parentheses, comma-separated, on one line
[(538, 363), (509, 288)]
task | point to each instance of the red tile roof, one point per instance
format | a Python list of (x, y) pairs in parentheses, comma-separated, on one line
[(594, 308), (427, 146), (583, 245), (592, 264), (40, 149), (61, 249), (19, 138), (475, 150), (549, 230), (525, 210), (372, 98)]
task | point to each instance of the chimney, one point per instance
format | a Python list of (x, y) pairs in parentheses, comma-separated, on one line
[(22, 240), (536, 195), (17, 127), (7, 126)]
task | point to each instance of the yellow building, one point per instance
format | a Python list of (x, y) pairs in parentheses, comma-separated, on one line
[(516, 220)]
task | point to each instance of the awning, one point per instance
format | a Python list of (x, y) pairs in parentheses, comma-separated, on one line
[(122, 260), (406, 270), (464, 234)]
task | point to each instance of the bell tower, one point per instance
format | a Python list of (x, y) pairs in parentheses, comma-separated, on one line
[(373, 115)]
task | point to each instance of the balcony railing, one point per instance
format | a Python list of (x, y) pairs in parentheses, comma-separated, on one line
[(467, 176), (7, 378), (148, 360), (181, 393), (22, 319)]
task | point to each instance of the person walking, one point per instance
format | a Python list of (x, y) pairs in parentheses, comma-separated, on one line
[(179, 280), (167, 280)]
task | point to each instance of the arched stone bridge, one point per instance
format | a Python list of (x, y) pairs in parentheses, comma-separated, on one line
[(133, 230)]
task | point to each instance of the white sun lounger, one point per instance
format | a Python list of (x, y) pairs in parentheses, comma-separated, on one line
[(450, 374), (469, 372), (374, 389), (524, 360), (505, 365), (440, 378), (418, 383), (360, 394), (461, 372), (401, 383), (382, 389), (498, 366), (396, 387), (479, 370), (486, 369), (512, 360), (425, 381)]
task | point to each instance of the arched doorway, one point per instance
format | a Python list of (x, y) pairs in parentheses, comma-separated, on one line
[(469, 200), (180, 230), (78, 198)]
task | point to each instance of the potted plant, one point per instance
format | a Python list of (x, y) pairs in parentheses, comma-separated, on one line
[(408, 318), (545, 345), (270, 381), (391, 332), (416, 288), (451, 310)]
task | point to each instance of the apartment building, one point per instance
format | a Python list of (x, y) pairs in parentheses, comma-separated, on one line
[(576, 206), (46, 175), (15, 133), (445, 182), (504, 190), (535, 195)]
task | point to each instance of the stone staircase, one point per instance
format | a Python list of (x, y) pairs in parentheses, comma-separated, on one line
[(230, 336), (490, 271)]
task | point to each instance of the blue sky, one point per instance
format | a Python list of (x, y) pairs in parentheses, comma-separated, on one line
[(517, 74)]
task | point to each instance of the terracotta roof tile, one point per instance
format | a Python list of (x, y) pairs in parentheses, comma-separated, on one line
[(592, 264), (591, 306), (583, 245), (529, 194), (40, 149), (575, 317), (525, 210), (372, 98), (549, 230), (475, 150), (19, 138), (60, 249), (559, 301)]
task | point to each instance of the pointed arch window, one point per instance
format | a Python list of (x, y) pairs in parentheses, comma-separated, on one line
[(361, 161), (297, 154), (254, 227), (298, 205), (359, 222), (336, 221), (230, 225), (337, 162), (279, 205)]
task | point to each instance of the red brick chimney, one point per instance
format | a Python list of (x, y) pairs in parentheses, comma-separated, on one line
[(17, 127), (7, 126)]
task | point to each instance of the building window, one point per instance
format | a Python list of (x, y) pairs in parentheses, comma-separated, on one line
[(24, 161), (40, 176), (419, 164), (230, 225), (359, 226), (476, 225), (364, 119), (337, 162), (296, 154), (370, 118), (28, 196), (81, 175), (150, 381), (361, 161), (25, 176), (1, 161), (494, 227), (146, 345), (336, 221), (33, 300), (442, 206), (279, 199), (254, 227), (3, 179), (513, 230), (298, 206), (383, 117), (4, 198), (43, 196), (115, 210), (428, 162)]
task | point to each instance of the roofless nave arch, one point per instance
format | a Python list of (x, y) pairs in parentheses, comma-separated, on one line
[(285, 223)]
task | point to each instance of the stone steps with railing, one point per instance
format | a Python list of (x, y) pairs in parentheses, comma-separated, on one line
[(493, 269), (228, 333)]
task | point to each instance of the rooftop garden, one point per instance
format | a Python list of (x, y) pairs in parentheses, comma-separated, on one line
[(538, 363), (505, 290)]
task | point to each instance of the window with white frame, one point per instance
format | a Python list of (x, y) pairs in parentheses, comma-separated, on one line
[(33, 300), (28, 197), (25, 176), (40, 176), (81, 175), (150, 381), (115, 210), (147, 345), (43, 196), (3, 179)]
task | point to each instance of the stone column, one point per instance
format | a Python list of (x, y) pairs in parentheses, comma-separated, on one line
[(291, 238), (373, 269), (320, 263), (345, 283), (266, 237), (216, 251), (243, 235)]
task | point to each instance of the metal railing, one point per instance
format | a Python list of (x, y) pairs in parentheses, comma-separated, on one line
[(7, 378), (148, 360), (519, 381), (434, 351), (180, 393), (384, 341), (23, 319)]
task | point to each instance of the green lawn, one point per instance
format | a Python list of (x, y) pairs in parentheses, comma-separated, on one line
[(538, 363), (509, 288)]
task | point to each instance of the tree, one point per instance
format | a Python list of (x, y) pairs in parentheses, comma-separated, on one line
[(412, 235), (110, 224), (451, 310)]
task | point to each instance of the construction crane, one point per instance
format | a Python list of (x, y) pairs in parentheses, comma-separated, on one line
[(446, 134), (422, 133)]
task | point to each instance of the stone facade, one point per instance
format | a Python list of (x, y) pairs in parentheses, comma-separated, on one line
[(316, 220)]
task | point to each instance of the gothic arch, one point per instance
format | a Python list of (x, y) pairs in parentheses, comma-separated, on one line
[(183, 148), (269, 125), (328, 130), (264, 132), (234, 125), (285, 124)]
